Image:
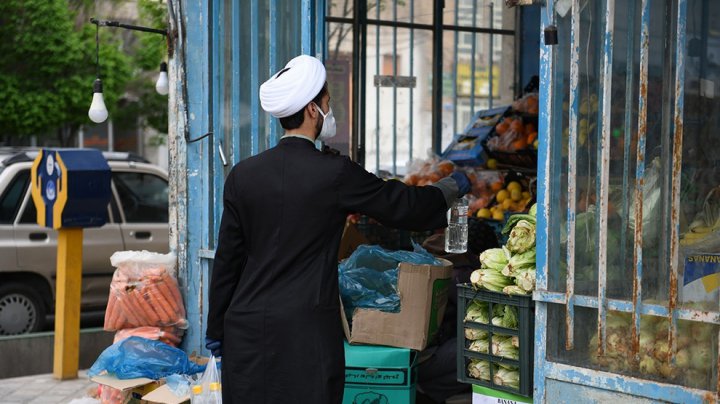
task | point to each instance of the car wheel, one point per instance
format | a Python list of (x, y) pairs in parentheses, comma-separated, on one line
[(21, 310)]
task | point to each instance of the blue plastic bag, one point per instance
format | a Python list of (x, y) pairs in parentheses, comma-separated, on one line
[(141, 357), (368, 278)]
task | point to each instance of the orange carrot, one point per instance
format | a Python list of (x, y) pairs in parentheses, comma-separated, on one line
[(158, 303), (132, 312), (111, 314), (146, 296)]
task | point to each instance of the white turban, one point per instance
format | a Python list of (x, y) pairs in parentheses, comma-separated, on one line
[(293, 87)]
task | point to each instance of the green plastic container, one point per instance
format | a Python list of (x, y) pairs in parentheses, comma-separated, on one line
[(525, 332), (486, 395), (379, 375)]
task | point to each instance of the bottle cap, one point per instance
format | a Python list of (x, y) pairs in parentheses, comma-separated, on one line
[(197, 389), (214, 386)]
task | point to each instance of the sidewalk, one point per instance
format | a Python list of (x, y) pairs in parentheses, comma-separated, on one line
[(44, 389)]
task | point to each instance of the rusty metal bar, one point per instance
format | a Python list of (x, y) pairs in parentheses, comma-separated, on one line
[(572, 173), (710, 317), (676, 171), (604, 170), (640, 177)]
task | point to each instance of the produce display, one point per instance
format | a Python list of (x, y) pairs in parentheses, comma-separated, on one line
[(501, 346), (693, 360), (510, 269), (503, 375), (513, 197), (513, 134)]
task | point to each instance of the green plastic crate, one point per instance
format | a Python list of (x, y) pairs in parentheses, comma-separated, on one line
[(526, 328), (379, 375)]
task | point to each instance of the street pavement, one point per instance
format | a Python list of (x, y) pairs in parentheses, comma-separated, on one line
[(44, 389)]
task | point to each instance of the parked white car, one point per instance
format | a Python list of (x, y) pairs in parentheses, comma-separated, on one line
[(137, 220)]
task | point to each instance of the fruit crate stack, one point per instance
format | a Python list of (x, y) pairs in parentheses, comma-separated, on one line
[(495, 340)]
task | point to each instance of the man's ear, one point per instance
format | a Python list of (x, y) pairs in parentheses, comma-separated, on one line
[(312, 110)]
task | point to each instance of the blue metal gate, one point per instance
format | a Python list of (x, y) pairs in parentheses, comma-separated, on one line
[(626, 171), (224, 50)]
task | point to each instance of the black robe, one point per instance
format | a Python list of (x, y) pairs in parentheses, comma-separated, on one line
[(274, 298)]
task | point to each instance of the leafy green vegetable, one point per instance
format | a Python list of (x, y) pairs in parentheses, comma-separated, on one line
[(478, 312), (522, 237)]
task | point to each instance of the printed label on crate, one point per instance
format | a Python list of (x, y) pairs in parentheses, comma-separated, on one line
[(485, 395), (380, 376), (483, 399)]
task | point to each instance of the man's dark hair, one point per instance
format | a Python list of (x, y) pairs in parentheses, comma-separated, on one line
[(295, 120)]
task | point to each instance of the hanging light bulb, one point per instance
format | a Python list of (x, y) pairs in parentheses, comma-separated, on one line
[(161, 86), (98, 112)]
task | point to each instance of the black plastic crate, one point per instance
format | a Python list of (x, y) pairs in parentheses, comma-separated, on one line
[(525, 307), (387, 237)]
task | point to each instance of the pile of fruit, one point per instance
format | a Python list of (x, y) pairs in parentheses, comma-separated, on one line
[(485, 185), (513, 135), (514, 197)]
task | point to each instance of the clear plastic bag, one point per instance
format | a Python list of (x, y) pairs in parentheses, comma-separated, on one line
[(429, 171), (210, 382), (140, 357), (144, 292), (368, 278)]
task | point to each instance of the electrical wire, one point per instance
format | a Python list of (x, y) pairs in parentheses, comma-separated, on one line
[(97, 50)]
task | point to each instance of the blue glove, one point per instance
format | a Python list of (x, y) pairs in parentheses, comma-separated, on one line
[(214, 346), (463, 183)]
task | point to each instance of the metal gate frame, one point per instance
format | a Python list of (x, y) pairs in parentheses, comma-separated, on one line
[(548, 186), (361, 22)]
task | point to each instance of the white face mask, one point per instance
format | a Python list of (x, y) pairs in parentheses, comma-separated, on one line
[(328, 126)]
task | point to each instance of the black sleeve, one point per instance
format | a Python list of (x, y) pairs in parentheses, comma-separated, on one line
[(392, 203), (230, 259)]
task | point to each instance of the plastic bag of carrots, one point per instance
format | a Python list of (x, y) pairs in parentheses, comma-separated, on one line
[(109, 395), (168, 335), (144, 292)]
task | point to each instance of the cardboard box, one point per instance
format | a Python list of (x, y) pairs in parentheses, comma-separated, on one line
[(378, 374), (423, 293), (142, 390), (485, 395)]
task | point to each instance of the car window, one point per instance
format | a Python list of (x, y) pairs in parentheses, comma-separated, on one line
[(29, 215), (13, 196), (144, 197)]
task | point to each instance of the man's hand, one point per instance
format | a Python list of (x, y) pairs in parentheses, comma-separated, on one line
[(214, 346), (463, 183)]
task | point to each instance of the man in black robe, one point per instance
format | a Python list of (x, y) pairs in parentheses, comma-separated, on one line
[(274, 312)]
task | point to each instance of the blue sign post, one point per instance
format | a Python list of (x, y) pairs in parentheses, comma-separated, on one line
[(71, 191)]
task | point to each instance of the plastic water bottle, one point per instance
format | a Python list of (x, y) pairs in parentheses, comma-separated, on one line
[(197, 395), (456, 234), (215, 394)]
